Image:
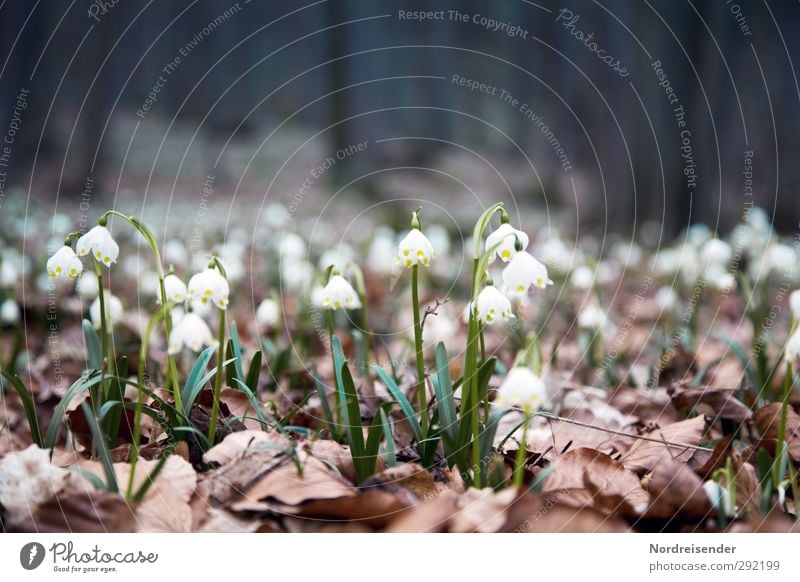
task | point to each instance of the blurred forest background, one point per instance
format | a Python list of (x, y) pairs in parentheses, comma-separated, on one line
[(282, 72)]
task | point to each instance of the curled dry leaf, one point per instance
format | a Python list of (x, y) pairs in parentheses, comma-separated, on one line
[(409, 476), (237, 444), (717, 403), (684, 436), (283, 485), (677, 490), (27, 480), (586, 475), (86, 511), (768, 419)]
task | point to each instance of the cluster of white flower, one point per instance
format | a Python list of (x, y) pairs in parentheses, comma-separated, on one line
[(521, 388)]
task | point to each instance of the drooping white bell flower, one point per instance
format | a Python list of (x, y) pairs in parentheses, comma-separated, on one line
[(9, 312), (592, 317), (492, 305), (209, 286), (523, 272), (99, 243), (176, 253), (338, 293), (720, 498), (582, 278), (191, 331), (782, 259), (175, 289), (87, 286), (268, 313), (292, 247), (114, 311), (667, 299), (794, 303), (383, 244), (340, 257), (792, 349), (521, 388), (415, 249), (505, 240), (64, 264), (718, 277), (296, 276), (716, 252), (697, 234)]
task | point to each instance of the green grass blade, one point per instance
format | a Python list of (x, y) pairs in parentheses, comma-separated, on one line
[(28, 405)]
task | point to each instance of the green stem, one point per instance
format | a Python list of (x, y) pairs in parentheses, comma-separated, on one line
[(144, 230), (421, 391), (99, 392), (329, 320), (137, 421), (781, 444), (522, 453), (212, 428)]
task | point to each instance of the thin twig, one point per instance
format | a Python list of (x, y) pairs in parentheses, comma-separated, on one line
[(661, 441), (432, 310)]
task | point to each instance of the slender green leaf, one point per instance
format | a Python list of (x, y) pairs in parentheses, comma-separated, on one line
[(151, 478), (28, 405), (445, 404), (99, 440), (94, 357), (86, 381), (405, 405), (390, 453), (253, 372)]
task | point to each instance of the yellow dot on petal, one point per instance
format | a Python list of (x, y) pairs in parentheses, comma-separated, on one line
[(539, 282), (505, 254), (107, 260), (408, 262), (426, 262), (420, 253), (58, 270), (337, 305), (520, 288), (204, 299), (405, 252)]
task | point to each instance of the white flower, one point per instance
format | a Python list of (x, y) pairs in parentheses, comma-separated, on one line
[(697, 234), (9, 311), (782, 259), (720, 498), (383, 245), (792, 349), (522, 388), (794, 303), (114, 311), (175, 252), (209, 286), (582, 278), (296, 275), (292, 247), (339, 257), (175, 289), (492, 304), (523, 272), (716, 252), (87, 286), (415, 249), (505, 239), (667, 299), (719, 278), (99, 244), (339, 293), (64, 264), (191, 331), (268, 313), (592, 317)]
